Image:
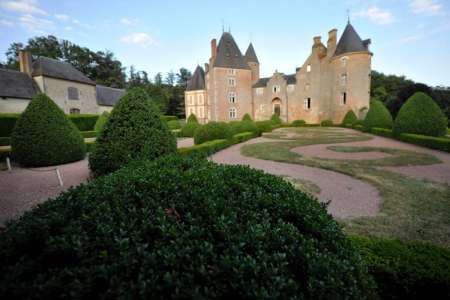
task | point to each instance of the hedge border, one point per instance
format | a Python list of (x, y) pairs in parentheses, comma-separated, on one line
[(5, 141)]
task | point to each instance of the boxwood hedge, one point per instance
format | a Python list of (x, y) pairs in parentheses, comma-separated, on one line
[(247, 117), (377, 116), (84, 122), (276, 120), (43, 136), (134, 130), (349, 119), (264, 126), (7, 122), (181, 228), (212, 131), (243, 126), (326, 123), (298, 123), (101, 121)]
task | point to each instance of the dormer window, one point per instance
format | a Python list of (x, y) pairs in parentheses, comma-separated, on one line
[(308, 68), (344, 61), (231, 72), (72, 93), (276, 88)]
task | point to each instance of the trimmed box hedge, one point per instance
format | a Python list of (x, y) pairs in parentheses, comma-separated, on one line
[(7, 122), (5, 141), (89, 134), (438, 143), (382, 131), (84, 122), (169, 118)]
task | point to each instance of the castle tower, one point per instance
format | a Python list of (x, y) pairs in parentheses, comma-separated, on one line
[(252, 61), (196, 100), (351, 68)]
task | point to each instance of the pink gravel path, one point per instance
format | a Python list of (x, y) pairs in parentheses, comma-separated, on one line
[(185, 142), (349, 197)]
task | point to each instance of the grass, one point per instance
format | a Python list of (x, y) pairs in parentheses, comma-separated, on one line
[(304, 185), (412, 209)]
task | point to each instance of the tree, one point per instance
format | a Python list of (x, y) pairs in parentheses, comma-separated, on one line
[(184, 75), (158, 79), (170, 78)]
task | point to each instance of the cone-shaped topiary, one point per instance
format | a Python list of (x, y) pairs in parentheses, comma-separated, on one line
[(247, 117), (275, 119), (212, 131), (192, 119), (101, 121), (134, 130), (420, 115), (349, 119), (377, 116), (43, 135)]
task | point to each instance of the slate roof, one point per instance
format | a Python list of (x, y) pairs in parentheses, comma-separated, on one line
[(351, 42), (58, 69), (197, 81), (250, 54), (228, 54), (262, 82), (14, 84), (107, 96)]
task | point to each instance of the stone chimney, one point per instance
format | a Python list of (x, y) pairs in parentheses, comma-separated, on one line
[(213, 48), (331, 44), (319, 48), (317, 40), (25, 61)]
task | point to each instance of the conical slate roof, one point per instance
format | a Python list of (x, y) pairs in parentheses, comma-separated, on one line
[(351, 42), (197, 81), (228, 54), (250, 54)]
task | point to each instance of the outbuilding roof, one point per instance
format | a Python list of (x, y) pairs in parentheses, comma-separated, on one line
[(107, 96), (14, 84), (262, 82), (58, 69)]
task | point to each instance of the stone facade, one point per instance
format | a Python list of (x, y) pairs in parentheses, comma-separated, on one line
[(333, 80)]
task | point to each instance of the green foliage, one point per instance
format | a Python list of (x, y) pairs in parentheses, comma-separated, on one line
[(326, 123), (89, 134), (243, 126), (382, 131), (421, 115), (244, 136), (169, 118), (192, 119), (205, 149), (7, 122), (84, 122), (275, 119), (189, 129), (43, 136), (439, 143), (212, 131), (377, 116), (133, 131), (5, 140), (174, 124), (349, 119), (101, 121), (406, 270), (181, 228), (298, 123), (247, 117), (264, 126)]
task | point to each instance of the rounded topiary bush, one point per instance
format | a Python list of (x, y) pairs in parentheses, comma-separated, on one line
[(101, 121), (188, 130), (275, 119), (134, 130), (377, 116), (247, 117), (421, 115), (211, 232), (326, 123), (212, 131), (192, 119), (243, 126), (43, 136), (298, 123), (349, 119)]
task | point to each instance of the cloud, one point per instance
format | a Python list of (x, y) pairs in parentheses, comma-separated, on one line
[(138, 38), (62, 17), (376, 15), (427, 32), (6, 23), (430, 7), (35, 24), (68, 28), (128, 22), (23, 6)]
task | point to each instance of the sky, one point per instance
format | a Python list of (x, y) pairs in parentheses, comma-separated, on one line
[(409, 37)]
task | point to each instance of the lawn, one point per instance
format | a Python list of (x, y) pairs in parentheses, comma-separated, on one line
[(411, 209)]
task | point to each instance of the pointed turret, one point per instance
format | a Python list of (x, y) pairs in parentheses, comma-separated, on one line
[(250, 54), (228, 54), (351, 42), (197, 81)]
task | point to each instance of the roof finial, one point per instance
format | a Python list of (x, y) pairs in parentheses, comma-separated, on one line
[(251, 37), (229, 29), (223, 26), (348, 16)]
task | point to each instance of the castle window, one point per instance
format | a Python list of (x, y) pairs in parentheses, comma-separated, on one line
[(343, 99), (307, 103), (72, 93), (259, 91), (231, 82), (343, 79), (191, 111), (276, 88), (191, 99), (232, 113), (344, 61), (308, 68), (231, 72), (200, 112), (232, 97), (200, 99), (307, 86), (74, 111)]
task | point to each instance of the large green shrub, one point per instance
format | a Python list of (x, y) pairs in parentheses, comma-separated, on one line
[(420, 115), (243, 126), (406, 270), (192, 119), (188, 130), (377, 116), (133, 131), (101, 121), (174, 124), (43, 136), (275, 119), (181, 228), (7, 122), (326, 123), (84, 122), (212, 131), (298, 123), (247, 117), (349, 119), (264, 126), (169, 118)]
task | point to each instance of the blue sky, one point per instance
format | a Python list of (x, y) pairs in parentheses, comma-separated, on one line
[(409, 37)]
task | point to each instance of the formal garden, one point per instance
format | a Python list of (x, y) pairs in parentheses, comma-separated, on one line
[(245, 209)]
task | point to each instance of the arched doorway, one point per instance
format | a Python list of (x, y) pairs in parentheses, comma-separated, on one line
[(276, 106)]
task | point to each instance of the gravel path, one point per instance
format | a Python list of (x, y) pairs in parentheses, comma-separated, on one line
[(185, 142), (349, 197)]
